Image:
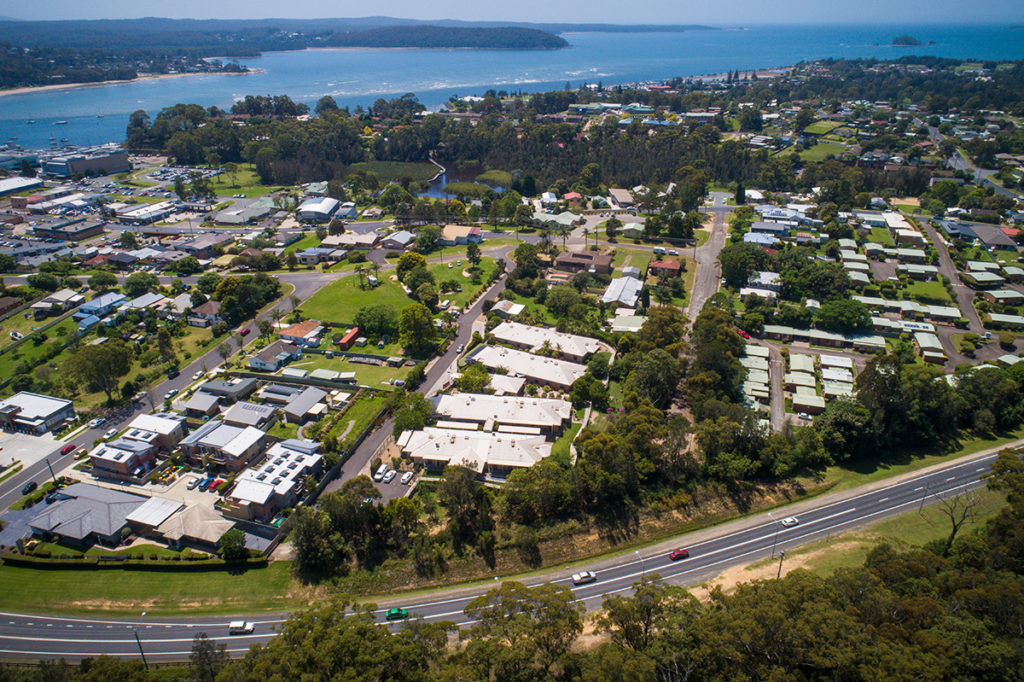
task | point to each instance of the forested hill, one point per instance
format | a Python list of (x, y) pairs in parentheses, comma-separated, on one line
[(240, 38), (445, 36)]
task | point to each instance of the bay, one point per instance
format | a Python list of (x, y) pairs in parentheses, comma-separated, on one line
[(99, 113)]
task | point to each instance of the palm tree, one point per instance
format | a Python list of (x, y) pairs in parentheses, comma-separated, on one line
[(585, 233), (359, 272)]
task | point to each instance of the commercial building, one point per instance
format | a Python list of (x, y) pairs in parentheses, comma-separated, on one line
[(97, 161), (537, 339), (542, 416), (536, 369), (452, 235), (18, 184), (83, 514), (34, 413), (318, 210), (491, 455)]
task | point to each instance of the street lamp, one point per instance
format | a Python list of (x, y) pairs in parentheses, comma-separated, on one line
[(641, 564), (141, 652)]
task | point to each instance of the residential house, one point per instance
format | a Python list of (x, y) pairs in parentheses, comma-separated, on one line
[(506, 309), (274, 356), (351, 240), (262, 491), (489, 454), (102, 305), (202, 404), (538, 339), (538, 370), (669, 267), (584, 261), (205, 314), (230, 446), (122, 459), (621, 197), (544, 416), (163, 430), (452, 235), (230, 390), (316, 255), (250, 414), (398, 241), (623, 292), (305, 333), (304, 405)]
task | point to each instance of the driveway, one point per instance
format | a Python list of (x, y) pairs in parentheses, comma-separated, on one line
[(964, 294)]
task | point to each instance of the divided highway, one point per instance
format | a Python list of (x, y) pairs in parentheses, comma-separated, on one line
[(51, 637)]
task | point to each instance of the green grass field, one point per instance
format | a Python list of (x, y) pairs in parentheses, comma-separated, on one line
[(158, 593), (244, 181), (928, 292), (880, 235), (442, 272), (370, 375), (822, 127), (560, 448), (495, 177), (820, 152), (340, 300), (362, 413), (308, 241)]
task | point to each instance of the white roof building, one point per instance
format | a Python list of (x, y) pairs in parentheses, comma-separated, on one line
[(285, 468), (493, 454), (623, 291), (534, 339), (492, 410), (539, 370)]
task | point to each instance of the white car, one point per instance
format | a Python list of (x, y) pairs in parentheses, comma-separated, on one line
[(197, 376), (390, 476), (192, 483), (406, 477), (790, 521), (241, 627), (110, 434), (584, 577), (379, 475)]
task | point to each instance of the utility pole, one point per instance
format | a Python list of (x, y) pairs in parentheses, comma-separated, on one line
[(51, 471), (782, 555), (775, 540), (641, 564)]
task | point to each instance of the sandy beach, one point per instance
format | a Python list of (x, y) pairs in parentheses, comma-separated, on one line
[(150, 77)]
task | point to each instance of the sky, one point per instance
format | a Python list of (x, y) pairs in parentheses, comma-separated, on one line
[(718, 13)]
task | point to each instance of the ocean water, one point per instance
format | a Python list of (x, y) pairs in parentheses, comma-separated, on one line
[(100, 113)]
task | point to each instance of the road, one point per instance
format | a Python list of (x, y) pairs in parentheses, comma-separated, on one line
[(709, 272), (741, 542)]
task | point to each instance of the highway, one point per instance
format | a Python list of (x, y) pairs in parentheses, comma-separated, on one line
[(24, 636)]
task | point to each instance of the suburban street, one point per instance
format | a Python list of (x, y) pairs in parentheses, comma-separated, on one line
[(740, 542)]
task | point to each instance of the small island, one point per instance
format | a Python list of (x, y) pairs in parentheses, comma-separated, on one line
[(905, 41)]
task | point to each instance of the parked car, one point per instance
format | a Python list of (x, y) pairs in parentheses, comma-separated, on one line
[(67, 449), (241, 627), (390, 476), (459, 348), (396, 614), (97, 422), (790, 521), (170, 394), (191, 485), (197, 376), (584, 577), (677, 554), (172, 373), (743, 333), (379, 474), (205, 485), (110, 433), (673, 252), (406, 477), (244, 331), (29, 487)]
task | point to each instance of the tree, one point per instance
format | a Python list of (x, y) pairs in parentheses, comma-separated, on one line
[(266, 328), (517, 627), (413, 413), (207, 282), (292, 260), (139, 283), (102, 279), (430, 236), (377, 320), (207, 658), (408, 262), (129, 241), (843, 315), (336, 226), (189, 265), (99, 367), (324, 105), (474, 379), (473, 253), (44, 281), (165, 343), (232, 545), (416, 331), (426, 294), (741, 194)]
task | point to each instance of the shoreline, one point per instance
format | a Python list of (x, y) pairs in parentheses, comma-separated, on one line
[(30, 89)]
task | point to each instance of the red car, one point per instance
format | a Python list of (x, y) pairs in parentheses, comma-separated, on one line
[(67, 449), (677, 554), (743, 333), (244, 331)]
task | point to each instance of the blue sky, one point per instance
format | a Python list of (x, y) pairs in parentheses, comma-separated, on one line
[(718, 13)]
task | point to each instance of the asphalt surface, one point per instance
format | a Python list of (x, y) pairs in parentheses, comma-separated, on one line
[(24, 636)]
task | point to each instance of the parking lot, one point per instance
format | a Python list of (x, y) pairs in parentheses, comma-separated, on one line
[(28, 449)]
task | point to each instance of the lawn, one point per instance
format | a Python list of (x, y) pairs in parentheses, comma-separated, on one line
[(284, 430), (308, 241), (340, 300), (560, 448), (821, 151), (495, 178), (451, 270), (540, 312), (880, 235), (245, 181), (636, 258), (30, 353), (370, 375), (822, 127), (157, 592), (928, 292), (361, 414)]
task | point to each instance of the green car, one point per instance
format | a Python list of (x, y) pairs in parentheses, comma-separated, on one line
[(396, 614)]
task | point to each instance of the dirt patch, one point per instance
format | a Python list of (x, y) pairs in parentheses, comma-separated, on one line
[(730, 578)]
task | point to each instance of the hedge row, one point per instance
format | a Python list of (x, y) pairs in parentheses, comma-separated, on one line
[(93, 563)]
